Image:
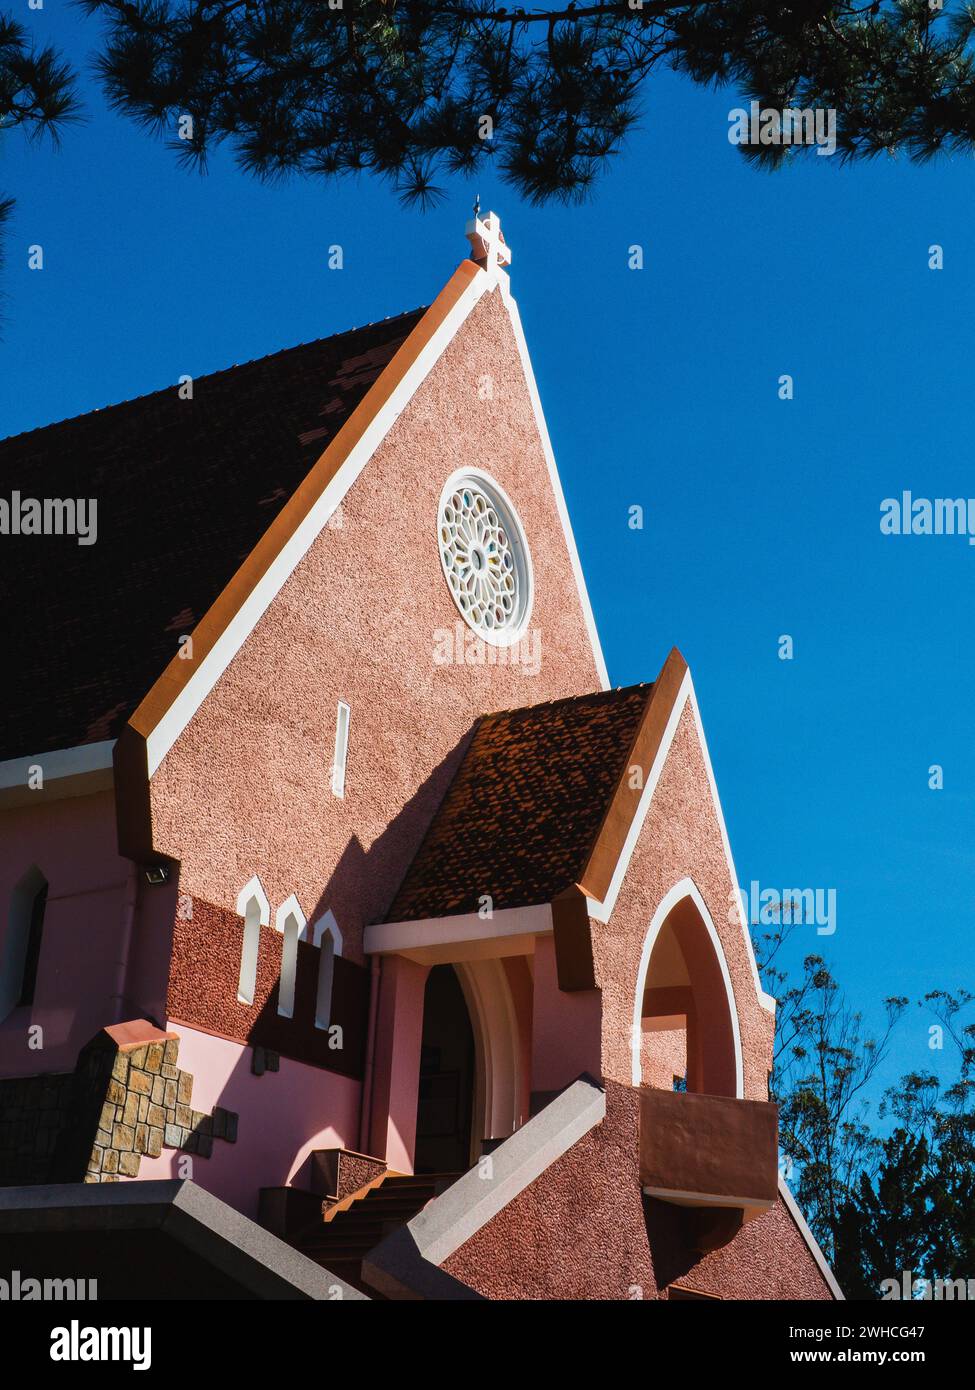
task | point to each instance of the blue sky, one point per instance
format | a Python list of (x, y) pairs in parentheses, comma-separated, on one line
[(661, 389)]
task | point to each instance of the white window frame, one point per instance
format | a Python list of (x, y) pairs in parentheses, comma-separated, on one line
[(289, 920), (253, 906)]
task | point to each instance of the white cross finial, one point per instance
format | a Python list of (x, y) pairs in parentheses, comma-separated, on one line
[(488, 246)]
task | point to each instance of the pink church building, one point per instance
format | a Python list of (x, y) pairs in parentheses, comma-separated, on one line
[(357, 939)]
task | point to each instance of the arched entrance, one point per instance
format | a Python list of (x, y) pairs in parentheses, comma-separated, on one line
[(446, 1090), (685, 1023)]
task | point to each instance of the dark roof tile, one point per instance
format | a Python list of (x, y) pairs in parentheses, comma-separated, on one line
[(185, 489), (522, 812)]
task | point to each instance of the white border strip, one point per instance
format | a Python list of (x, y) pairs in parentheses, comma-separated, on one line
[(79, 761), (553, 473), (386, 937), (810, 1239), (686, 888), (230, 641)]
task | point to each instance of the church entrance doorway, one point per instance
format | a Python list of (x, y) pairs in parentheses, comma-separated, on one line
[(446, 1094)]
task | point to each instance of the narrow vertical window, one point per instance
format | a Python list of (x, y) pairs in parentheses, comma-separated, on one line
[(253, 906), (326, 974), (328, 938), (341, 749), (289, 920), (22, 950), (32, 955)]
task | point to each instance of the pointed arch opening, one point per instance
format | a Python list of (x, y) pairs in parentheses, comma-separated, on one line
[(327, 936), (685, 1022), (289, 920), (253, 906)]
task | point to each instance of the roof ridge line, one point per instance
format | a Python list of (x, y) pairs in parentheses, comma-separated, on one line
[(209, 376), (569, 699)]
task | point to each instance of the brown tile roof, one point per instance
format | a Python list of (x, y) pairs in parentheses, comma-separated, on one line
[(523, 810), (185, 489)]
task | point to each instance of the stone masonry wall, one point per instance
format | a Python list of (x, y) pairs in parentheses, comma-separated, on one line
[(126, 1097)]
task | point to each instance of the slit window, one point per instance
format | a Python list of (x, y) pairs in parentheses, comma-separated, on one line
[(22, 954), (341, 749)]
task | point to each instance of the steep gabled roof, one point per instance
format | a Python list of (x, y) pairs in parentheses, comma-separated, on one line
[(523, 811), (185, 490)]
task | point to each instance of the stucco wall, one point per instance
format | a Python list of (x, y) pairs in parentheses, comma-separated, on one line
[(580, 1232), (680, 838), (246, 789), (72, 842), (203, 992)]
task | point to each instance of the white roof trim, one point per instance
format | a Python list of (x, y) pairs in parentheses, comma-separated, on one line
[(553, 474), (230, 641), (212, 666), (61, 762), (810, 1239), (68, 766), (767, 1001), (603, 911)]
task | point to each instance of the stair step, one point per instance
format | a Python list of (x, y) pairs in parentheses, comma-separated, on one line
[(341, 1243)]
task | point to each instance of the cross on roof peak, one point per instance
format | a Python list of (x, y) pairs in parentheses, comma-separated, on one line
[(488, 246)]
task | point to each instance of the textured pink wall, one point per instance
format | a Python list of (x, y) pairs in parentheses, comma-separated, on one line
[(680, 838), (579, 1232), (246, 789), (664, 1055)]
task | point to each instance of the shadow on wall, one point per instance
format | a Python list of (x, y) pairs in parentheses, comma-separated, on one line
[(203, 990), (364, 882)]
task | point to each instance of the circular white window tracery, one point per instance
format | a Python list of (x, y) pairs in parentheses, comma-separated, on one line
[(485, 557)]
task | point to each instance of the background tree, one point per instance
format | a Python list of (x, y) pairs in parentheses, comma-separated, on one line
[(916, 1212), (37, 93), (410, 89), (822, 1066)]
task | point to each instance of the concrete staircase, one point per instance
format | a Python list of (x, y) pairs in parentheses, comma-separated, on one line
[(359, 1222)]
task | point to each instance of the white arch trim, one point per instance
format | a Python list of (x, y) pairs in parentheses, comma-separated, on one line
[(289, 920), (603, 910), (253, 889), (327, 923), (686, 888), (495, 1022), (253, 906), (290, 908)]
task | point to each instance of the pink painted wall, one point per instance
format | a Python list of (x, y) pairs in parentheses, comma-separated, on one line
[(399, 1036), (73, 843), (246, 789), (566, 1025), (284, 1115)]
